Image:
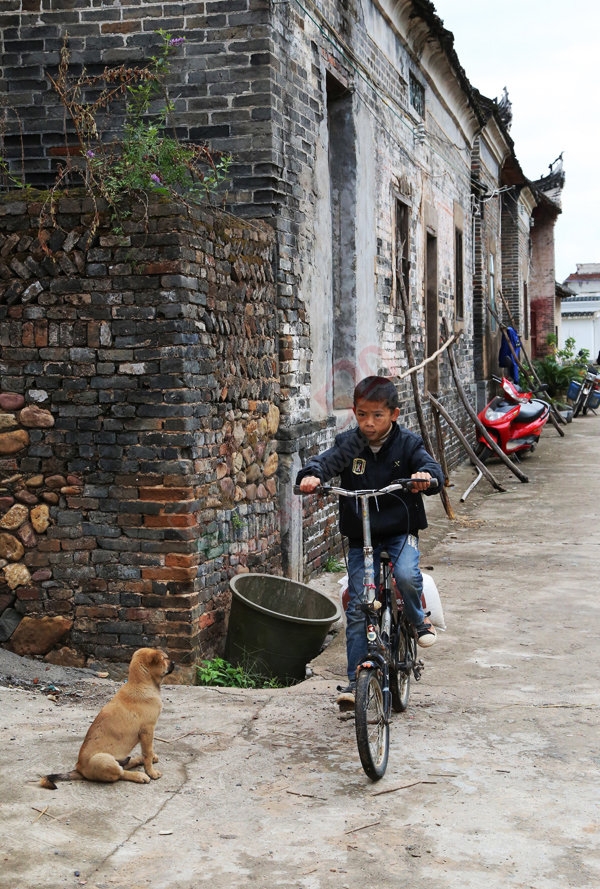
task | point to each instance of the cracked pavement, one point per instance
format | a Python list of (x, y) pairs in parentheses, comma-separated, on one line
[(493, 770)]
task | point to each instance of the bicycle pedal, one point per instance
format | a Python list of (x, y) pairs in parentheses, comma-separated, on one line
[(418, 669)]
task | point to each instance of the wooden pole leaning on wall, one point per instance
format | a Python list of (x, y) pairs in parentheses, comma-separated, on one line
[(417, 395), (473, 415), (439, 434), (555, 416), (462, 438)]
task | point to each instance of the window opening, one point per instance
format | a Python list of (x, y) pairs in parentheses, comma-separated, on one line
[(402, 263), (417, 95), (492, 292), (432, 381), (342, 179), (459, 294)]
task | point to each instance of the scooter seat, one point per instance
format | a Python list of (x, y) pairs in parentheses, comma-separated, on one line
[(531, 410)]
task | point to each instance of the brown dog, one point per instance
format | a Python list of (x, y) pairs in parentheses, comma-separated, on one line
[(128, 719)]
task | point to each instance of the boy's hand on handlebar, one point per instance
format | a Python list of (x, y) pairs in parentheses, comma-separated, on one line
[(421, 481), (309, 484)]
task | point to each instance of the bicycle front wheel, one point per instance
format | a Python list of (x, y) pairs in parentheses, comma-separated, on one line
[(400, 669), (581, 399), (372, 728)]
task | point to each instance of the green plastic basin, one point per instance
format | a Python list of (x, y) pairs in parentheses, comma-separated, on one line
[(276, 626)]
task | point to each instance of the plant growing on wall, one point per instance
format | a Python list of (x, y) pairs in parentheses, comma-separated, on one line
[(149, 157), (8, 178)]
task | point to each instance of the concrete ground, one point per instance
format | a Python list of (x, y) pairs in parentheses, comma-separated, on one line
[(493, 774)]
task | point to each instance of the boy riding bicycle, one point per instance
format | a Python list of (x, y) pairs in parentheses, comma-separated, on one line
[(373, 456)]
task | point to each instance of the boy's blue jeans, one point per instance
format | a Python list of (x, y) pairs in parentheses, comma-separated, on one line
[(404, 554)]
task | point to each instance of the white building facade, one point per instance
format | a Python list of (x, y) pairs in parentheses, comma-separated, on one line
[(580, 313)]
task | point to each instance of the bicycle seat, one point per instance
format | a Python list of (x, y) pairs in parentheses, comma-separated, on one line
[(384, 555)]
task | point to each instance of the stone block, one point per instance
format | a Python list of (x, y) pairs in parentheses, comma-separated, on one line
[(9, 621), (65, 657), (37, 635)]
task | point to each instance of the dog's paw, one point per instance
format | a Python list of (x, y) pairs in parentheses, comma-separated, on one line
[(136, 777), (155, 758), (154, 774)]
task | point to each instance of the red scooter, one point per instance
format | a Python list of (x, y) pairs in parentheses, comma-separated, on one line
[(514, 420)]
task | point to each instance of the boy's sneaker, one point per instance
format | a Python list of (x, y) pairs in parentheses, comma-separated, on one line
[(346, 700), (426, 635)]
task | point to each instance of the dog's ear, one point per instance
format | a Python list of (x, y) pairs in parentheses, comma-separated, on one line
[(160, 658)]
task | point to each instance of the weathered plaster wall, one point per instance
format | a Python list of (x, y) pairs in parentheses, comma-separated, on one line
[(139, 395), (389, 160)]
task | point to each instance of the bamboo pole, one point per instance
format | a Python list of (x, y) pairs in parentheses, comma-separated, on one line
[(417, 395), (456, 429), (441, 443), (427, 361)]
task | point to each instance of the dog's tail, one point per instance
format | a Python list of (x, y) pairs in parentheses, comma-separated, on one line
[(49, 781)]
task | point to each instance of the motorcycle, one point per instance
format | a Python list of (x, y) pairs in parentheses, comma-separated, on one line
[(514, 420), (585, 394)]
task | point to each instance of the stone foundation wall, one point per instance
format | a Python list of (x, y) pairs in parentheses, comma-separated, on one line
[(139, 401)]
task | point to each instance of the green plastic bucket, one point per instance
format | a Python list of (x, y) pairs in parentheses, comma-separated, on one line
[(276, 626)]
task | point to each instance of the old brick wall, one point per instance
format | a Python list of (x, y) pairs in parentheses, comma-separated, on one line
[(511, 259), (255, 78), (543, 279), (220, 79), (139, 400)]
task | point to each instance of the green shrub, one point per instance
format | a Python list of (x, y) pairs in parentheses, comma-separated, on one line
[(560, 366)]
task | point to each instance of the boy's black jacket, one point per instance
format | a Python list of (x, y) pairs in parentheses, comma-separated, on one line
[(352, 459)]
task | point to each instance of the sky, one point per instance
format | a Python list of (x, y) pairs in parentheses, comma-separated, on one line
[(546, 53)]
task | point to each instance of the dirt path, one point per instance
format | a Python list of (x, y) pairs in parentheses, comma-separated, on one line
[(493, 773)]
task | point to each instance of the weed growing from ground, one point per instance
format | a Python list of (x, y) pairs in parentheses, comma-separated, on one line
[(219, 672)]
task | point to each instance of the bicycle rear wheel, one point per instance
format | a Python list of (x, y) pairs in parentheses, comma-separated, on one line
[(400, 671), (372, 728)]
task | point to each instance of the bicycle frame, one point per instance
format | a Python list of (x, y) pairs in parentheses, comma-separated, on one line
[(387, 632), (382, 679)]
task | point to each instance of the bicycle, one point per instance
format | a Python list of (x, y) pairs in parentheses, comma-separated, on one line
[(383, 678)]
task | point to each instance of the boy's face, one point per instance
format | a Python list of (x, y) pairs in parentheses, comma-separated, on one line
[(374, 418)]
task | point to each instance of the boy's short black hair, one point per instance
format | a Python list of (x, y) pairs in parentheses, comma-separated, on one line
[(377, 389)]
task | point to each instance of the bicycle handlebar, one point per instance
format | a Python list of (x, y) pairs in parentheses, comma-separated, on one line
[(400, 484)]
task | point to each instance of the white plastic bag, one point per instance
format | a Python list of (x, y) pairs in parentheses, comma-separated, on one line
[(344, 591), (430, 600), (432, 603)]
